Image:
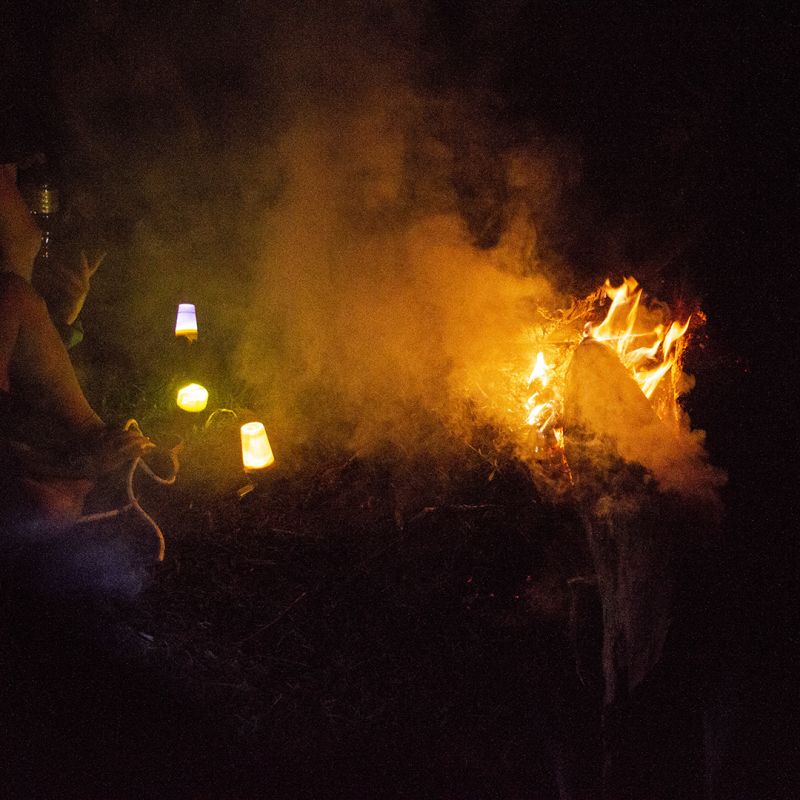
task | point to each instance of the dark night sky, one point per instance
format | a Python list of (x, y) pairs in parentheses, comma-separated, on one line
[(682, 116)]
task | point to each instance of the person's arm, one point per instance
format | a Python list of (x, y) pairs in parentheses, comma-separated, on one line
[(20, 238), (64, 287)]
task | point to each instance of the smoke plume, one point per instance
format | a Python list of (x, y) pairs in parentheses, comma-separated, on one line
[(365, 243), (324, 210)]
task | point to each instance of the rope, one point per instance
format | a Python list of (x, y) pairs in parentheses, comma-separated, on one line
[(214, 415), (133, 504)]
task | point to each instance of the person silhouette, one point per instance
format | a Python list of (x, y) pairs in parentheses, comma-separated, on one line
[(53, 445)]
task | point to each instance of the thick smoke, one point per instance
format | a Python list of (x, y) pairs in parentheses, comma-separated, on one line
[(291, 173), (365, 243), (373, 299), (607, 412)]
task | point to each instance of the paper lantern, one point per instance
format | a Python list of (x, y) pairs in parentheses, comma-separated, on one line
[(256, 451), (186, 321), (193, 397)]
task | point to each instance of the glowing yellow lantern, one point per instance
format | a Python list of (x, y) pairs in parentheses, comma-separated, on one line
[(186, 321), (256, 451), (193, 397)]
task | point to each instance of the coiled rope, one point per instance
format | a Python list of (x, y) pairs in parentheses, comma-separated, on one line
[(133, 502)]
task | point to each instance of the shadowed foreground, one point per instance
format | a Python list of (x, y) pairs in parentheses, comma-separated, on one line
[(354, 629)]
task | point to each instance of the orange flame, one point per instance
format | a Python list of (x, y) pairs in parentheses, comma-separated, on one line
[(541, 404), (524, 389), (648, 344), (648, 352)]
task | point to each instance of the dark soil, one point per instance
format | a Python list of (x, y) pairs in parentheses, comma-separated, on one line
[(376, 627), (326, 634)]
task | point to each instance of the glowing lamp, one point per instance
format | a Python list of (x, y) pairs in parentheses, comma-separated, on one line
[(186, 321), (256, 452), (193, 397)]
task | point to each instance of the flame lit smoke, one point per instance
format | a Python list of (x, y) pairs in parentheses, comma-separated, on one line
[(648, 349), (649, 346), (525, 396), (333, 237)]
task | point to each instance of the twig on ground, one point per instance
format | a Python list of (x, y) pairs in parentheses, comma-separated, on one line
[(273, 621)]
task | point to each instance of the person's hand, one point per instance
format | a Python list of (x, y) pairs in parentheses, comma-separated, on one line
[(64, 285), (90, 454), (20, 237), (108, 449)]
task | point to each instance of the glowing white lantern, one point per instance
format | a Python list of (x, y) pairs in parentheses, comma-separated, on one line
[(193, 397), (256, 451), (186, 321)]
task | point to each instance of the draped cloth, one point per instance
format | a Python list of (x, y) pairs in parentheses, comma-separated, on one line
[(648, 500)]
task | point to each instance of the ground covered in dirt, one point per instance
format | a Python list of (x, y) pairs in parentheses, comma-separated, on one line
[(349, 627), (397, 625), (389, 625)]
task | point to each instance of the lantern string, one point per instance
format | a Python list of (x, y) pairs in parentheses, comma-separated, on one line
[(214, 414), (133, 504)]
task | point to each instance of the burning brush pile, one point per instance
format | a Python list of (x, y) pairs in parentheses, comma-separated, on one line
[(619, 374)]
